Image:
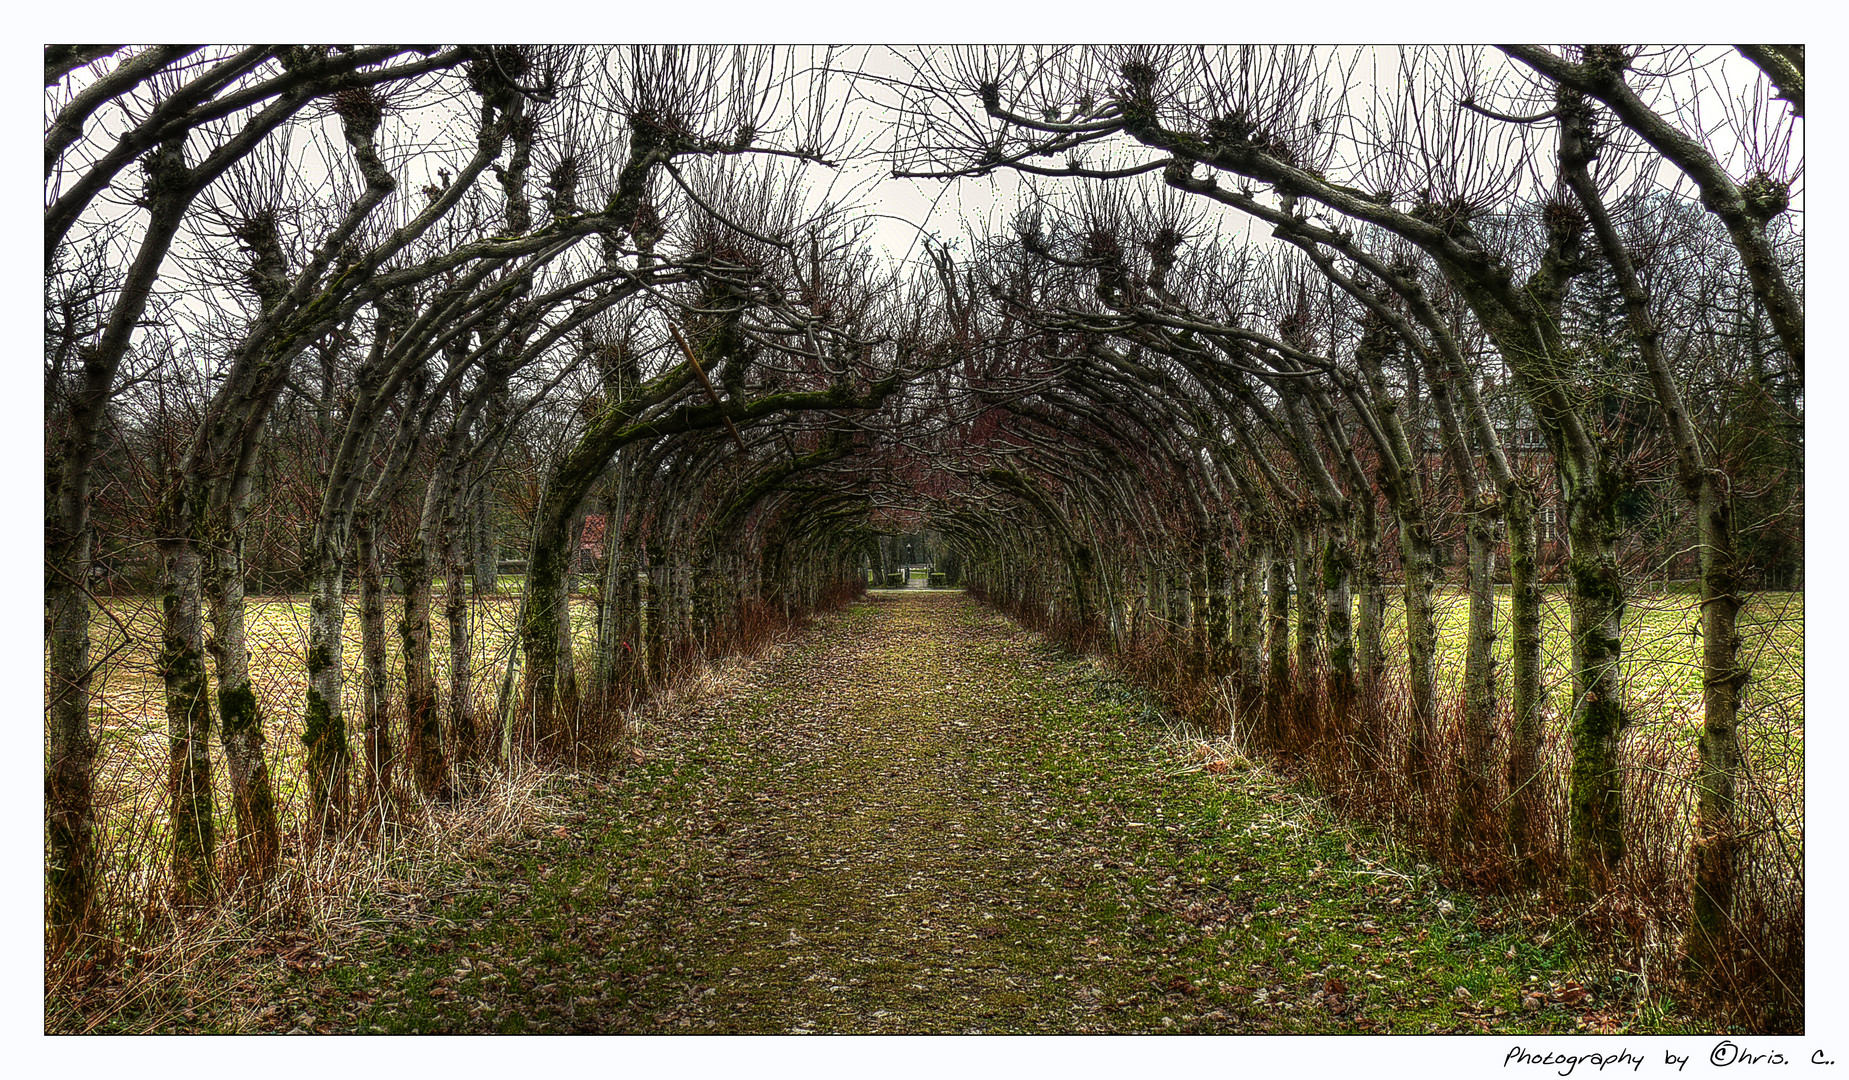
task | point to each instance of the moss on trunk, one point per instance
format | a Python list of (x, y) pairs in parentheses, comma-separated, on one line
[(423, 721), (1595, 820), (189, 774), (1471, 811), (1714, 854), (1338, 565), (1277, 634), (1526, 696)]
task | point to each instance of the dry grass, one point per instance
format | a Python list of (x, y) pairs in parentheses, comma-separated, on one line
[(152, 969), (922, 818), (1635, 928), (144, 963)]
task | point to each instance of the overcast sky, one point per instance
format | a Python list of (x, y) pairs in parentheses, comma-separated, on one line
[(901, 208)]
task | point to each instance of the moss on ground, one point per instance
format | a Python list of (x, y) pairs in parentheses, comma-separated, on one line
[(920, 818)]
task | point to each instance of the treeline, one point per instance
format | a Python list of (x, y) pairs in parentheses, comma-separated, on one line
[(359, 309), (1268, 355), (1518, 315)]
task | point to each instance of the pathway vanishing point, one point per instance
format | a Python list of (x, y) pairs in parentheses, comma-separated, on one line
[(921, 818)]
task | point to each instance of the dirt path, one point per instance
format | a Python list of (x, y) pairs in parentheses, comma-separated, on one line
[(920, 819)]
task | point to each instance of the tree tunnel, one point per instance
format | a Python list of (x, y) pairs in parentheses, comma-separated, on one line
[(1231, 395)]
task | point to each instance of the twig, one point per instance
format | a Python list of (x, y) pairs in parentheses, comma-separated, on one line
[(704, 381)]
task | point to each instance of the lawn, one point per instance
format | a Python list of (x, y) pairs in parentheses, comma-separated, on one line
[(1661, 673), (133, 723), (1661, 678)]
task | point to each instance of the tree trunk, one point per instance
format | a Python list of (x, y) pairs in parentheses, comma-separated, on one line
[(464, 742), (683, 603), (661, 617), (1370, 634), (1194, 617), (240, 720), (1470, 816), (611, 600), (545, 636), (422, 724), (1526, 696), (1596, 603), (1421, 646), (1338, 568), (654, 616), (484, 558), (1715, 849), (70, 813), (374, 691), (1309, 619), (1278, 691), (324, 728), (1218, 622), (630, 646), (1251, 616), (189, 724)]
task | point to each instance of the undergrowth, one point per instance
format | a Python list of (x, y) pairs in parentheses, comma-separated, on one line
[(145, 961), (1631, 933), (922, 818)]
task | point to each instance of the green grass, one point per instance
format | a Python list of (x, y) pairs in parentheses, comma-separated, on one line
[(129, 694), (1040, 853), (1661, 651), (1661, 672)]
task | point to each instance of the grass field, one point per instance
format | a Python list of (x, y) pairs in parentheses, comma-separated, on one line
[(1662, 670), (132, 721), (1662, 649), (1661, 678), (1037, 850)]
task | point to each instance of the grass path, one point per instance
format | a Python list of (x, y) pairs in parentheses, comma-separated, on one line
[(919, 818)]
